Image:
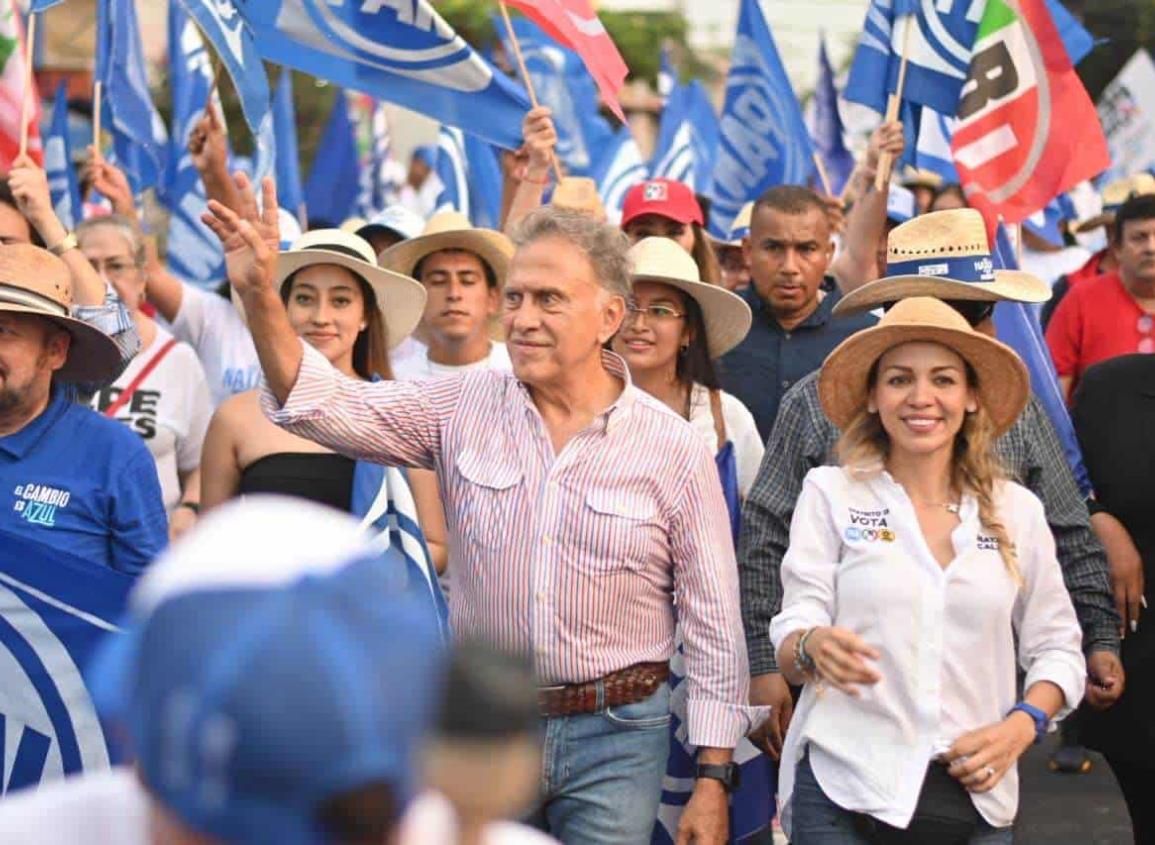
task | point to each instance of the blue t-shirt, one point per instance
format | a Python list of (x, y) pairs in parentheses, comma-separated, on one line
[(84, 484)]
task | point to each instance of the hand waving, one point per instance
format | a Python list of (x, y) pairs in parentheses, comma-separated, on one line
[(110, 181), (206, 142), (251, 239), (29, 186)]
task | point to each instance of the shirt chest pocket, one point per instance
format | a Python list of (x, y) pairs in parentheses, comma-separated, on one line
[(486, 499), (620, 531)]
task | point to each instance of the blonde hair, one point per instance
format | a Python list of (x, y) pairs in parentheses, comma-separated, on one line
[(865, 445)]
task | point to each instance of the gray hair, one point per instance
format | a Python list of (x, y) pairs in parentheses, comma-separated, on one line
[(606, 247), (123, 226)]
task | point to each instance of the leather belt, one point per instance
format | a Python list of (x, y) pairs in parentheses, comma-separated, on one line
[(626, 686)]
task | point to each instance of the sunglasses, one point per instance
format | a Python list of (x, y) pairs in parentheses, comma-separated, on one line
[(973, 312)]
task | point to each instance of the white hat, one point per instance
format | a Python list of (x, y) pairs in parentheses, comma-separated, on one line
[(726, 315), (397, 219)]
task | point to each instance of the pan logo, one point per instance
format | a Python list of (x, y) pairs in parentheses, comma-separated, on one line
[(44, 704), (405, 37)]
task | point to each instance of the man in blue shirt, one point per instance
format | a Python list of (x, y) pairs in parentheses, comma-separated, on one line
[(789, 250), (69, 478)]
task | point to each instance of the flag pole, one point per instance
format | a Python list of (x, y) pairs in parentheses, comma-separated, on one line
[(524, 74), (97, 96), (823, 177), (215, 62), (886, 160), (26, 105)]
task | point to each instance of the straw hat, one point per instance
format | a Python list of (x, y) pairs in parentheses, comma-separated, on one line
[(34, 281), (943, 254), (400, 299), (726, 315), (1003, 383), (450, 230), (579, 193), (913, 177), (1114, 195)]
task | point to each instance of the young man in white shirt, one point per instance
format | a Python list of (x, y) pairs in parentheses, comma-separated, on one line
[(462, 269)]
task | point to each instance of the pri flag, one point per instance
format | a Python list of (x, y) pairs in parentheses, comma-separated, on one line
[(13, 89), (403, 53), (1027, 129), (764, 140), (575, 24)]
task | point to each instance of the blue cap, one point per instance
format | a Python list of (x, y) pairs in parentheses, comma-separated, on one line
[(251, 702), (426, 153)]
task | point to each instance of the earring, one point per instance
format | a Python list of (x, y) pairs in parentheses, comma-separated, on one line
[(682, 350)]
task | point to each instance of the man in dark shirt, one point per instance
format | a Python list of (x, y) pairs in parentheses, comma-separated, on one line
[(789, 252)]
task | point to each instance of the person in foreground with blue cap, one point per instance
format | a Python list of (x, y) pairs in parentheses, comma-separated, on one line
[(273, 684)]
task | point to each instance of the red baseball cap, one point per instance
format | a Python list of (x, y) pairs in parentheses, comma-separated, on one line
[(663, 197)]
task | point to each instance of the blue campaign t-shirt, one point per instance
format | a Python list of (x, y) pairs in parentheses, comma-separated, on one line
[(84, 484)]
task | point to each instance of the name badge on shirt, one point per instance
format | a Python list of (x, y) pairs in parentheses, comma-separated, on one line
[(869, 526)]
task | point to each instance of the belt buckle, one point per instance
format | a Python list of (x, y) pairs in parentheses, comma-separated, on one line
[(552, 688)]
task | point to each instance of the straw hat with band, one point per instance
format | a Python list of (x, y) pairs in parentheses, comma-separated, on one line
[(943, 254), (450, 230), (400, 299), (726, 315), (1003, 384), (34, 281), (1113, 197)]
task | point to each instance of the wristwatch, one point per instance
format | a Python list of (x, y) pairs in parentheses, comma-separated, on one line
[(67, 243), (1041, 719), (727, 774)]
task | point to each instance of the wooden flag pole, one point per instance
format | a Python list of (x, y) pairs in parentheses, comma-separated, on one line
[(823, 177), (97, 106), (29, 93), (886, 160), (524, 74)]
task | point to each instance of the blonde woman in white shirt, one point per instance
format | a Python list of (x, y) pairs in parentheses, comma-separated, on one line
[(913, 568)]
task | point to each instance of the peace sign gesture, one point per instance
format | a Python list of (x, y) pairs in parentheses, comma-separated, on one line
[(250, 237)]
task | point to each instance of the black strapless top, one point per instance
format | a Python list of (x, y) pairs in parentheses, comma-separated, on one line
[(317, 476)]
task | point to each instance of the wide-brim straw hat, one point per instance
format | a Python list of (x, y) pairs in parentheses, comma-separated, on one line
[(400, 299), (1114, 195), (451, 230), (726, 315), (943, 254), (914, 177), (1003, 384), (34, 281)]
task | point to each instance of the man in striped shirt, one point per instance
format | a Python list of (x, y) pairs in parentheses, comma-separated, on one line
[(579, 508)]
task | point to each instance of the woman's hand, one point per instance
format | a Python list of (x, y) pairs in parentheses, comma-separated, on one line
[(29, 186), (251, 239), (207, 144), (838, 658), (540, 141), (981, 758), (110, 181)]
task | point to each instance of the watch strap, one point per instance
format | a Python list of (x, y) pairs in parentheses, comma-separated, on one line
[(727, 774), (1040, 718), (69, 242)]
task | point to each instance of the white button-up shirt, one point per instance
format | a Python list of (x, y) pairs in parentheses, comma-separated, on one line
[(858, 560)]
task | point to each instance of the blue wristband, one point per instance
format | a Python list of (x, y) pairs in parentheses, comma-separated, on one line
[(1040, 718)]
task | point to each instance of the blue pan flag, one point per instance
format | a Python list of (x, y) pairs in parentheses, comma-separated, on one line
[(40, 5), (828, 126), (620, 168), (1018, 326), (62, 183), (764, 138), (194, 253), (404, 53), (335, 180), (470, 174), (55, 612), (688, 139), (290, 194)]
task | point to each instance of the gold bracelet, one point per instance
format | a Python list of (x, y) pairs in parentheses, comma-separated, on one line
[(68, 243)]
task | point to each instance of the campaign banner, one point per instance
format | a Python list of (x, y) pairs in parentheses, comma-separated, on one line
[(55, 611), (1127, 112)]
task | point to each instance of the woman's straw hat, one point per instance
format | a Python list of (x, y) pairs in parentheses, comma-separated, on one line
[(943, 254), (1003, 383), (400, 299), (450, 230), (726, 315)]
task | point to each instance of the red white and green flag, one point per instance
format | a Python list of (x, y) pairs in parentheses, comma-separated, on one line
[(13, 89), (1027, 129)]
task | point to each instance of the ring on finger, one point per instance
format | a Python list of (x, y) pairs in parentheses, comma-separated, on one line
[(989, 772)]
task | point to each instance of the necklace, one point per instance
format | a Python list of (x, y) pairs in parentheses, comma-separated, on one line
[(951, 507)]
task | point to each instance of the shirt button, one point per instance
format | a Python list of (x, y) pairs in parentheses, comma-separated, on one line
[(785, 382), (787, 335), (540, 596), (546, 539)]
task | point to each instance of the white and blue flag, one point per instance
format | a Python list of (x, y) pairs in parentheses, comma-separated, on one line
[(620, 168), (932, 148), (688, 138), (827, 128), (764, 138), (401, 52), (62, 183), (139, 139), (470, 174), (290, 194), (667, 74), (382, 175), (335, 180), (194, 253)]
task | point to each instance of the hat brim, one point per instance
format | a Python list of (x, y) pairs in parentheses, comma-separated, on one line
[(92, 355), (1003, 383), (400, 299), (1009, 286), (494, 248), (727, 316), (1093, 223)]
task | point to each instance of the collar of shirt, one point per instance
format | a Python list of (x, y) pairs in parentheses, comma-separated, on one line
[(20, 443), (820, 316), (609, 419)]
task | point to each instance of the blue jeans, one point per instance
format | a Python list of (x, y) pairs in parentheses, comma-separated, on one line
[(816, 820), (602, 773)]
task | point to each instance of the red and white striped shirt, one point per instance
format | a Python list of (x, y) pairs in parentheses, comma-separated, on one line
[(576, 557)]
